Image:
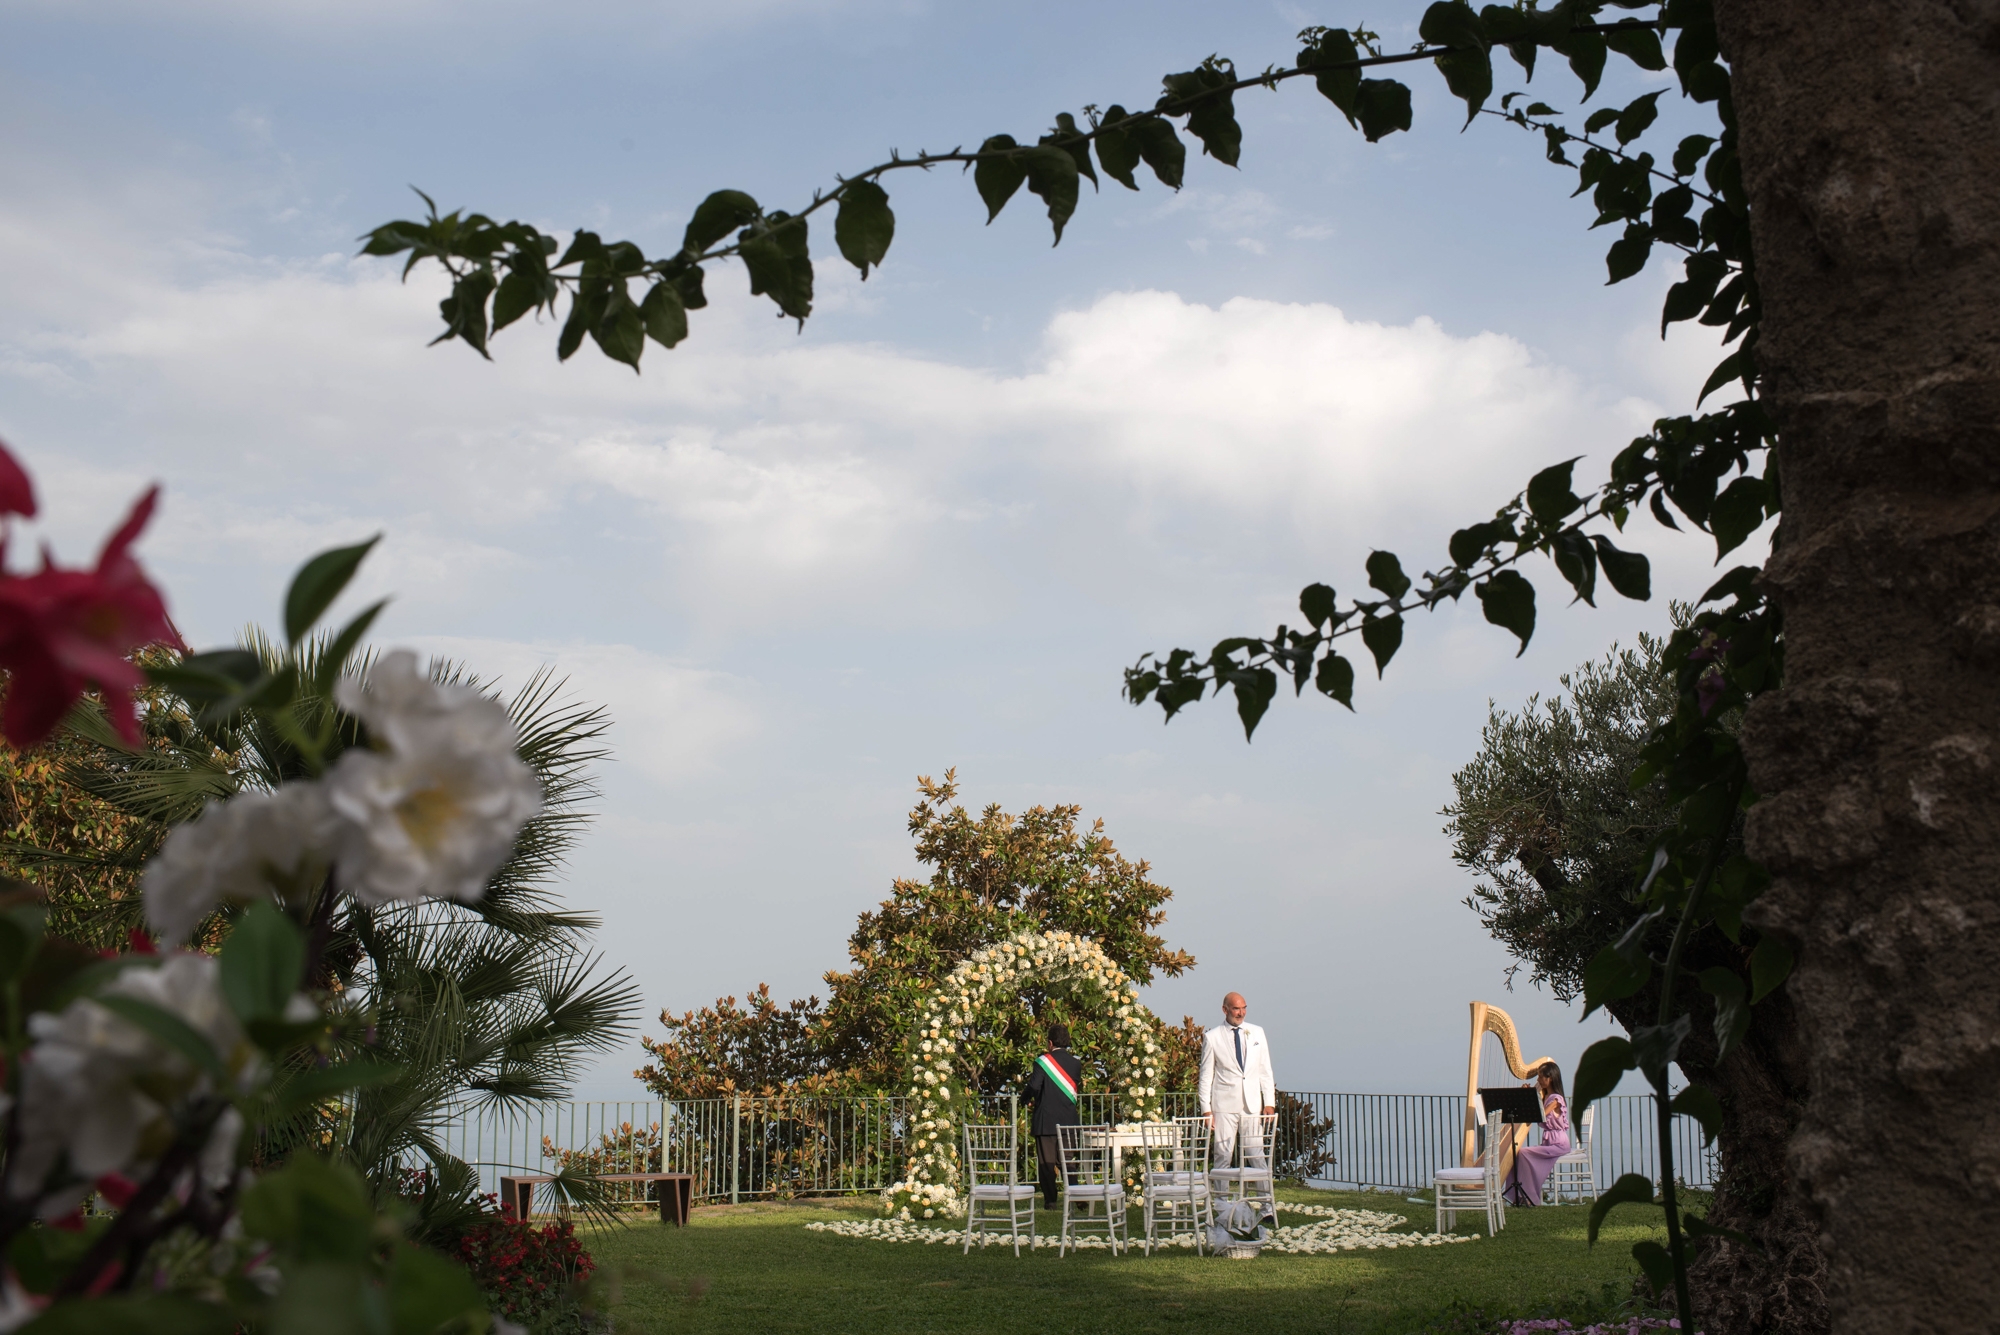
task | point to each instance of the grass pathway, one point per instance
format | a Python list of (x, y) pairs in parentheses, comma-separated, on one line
[(757, 1268)]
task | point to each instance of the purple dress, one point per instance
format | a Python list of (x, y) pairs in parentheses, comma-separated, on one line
[(1534, 1163)]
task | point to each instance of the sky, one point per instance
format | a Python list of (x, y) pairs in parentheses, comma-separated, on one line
[(926, 532)]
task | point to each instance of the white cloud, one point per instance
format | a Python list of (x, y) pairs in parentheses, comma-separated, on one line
[(670, 722)]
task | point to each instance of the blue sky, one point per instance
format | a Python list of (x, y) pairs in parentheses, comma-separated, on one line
[(802, 569)]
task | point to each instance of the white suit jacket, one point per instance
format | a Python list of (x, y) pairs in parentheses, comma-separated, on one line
[(1226, 1087)]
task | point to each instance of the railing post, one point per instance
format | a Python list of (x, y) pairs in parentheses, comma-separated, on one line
[(735, 1143)]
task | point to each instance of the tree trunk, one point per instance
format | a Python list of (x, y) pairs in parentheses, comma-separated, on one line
[(1777, 1287), (1870, 143)]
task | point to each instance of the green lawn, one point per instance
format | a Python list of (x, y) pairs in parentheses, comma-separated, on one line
[(757, 1268)]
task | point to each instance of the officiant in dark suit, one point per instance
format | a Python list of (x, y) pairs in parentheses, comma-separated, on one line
[(1054, 1085)]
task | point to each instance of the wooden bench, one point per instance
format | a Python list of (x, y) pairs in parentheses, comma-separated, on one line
[(676, 1192)]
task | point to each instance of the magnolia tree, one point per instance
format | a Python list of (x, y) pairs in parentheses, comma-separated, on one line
[(143, 1081)]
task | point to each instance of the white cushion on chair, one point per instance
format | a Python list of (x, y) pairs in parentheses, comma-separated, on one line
[(1000, 1191), (1461, 1175)]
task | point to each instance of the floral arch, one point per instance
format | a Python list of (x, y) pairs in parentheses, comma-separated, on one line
[(941, 1100)]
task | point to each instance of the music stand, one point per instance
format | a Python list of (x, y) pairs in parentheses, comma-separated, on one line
[(1515, 1103)]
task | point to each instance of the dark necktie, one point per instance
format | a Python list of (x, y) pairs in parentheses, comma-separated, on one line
[(1239, 1046)]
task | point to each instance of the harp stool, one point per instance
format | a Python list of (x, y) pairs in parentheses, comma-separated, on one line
[(1473, 1188), (992, 1178), (1575, 1175)]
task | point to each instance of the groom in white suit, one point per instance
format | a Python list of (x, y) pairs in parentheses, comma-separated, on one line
[(1236, 1082)]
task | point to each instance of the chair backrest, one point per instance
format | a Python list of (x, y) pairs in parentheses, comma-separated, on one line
[(1583, 1127), (990, 1156), (1177, 1147), (1266, 1129), (1496, 1126), (1086, 1154)]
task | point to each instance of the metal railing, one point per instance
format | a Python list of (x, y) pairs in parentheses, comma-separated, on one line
[(745, 1148)]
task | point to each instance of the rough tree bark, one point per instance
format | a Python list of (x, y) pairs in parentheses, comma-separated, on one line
[(1870, 142), (1778, 1287)]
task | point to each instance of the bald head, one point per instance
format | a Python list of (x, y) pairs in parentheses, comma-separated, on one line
[(1234, 1008)]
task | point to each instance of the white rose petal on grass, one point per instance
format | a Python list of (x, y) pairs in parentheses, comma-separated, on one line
[(434, 811), (102, 1092), (235, 851)]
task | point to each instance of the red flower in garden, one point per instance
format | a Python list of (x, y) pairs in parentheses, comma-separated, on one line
[(17, 494), (63, 632)]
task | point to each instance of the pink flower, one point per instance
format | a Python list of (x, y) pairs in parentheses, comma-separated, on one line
[(63, 632)]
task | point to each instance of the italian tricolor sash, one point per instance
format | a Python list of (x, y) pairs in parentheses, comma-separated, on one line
[(1055, 1073)]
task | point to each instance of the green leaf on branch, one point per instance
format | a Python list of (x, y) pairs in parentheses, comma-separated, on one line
[(1383, 636), (316, 1085), (1692, 150), (20, 934), (688, 282), (617, 329), (1700, 1103), (1737, 513), (1629, 253), (663, 314), (464, 311), (1385, 572), (1613, 975), (1732, 1007), (1335, 679), (1629, 572), (1052, 175), (1603, 1064), (343, 645), (780, 264), (1576, 560), (1728, 369), (1255, 689), (864, 226), (427, 1290), (1631, 1189), (1586, 58), (134, 1314), (1342, 86), (1317, 603), (1658, 1045), (1468, 73), (1770, 965), (996, 178), (1637, 117), (1657, 1265), (170, 1029), (1070, 140), (1549, 496), (1452, 23), (262, 963), (313, 1211), (318, 583), (1118, 147), (1472, 541), (1509, 602), (1203, 94), (716, 217), (1383, 107), (1637, 42)]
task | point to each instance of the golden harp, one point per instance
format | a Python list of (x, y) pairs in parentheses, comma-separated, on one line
[(1492, 1020)]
